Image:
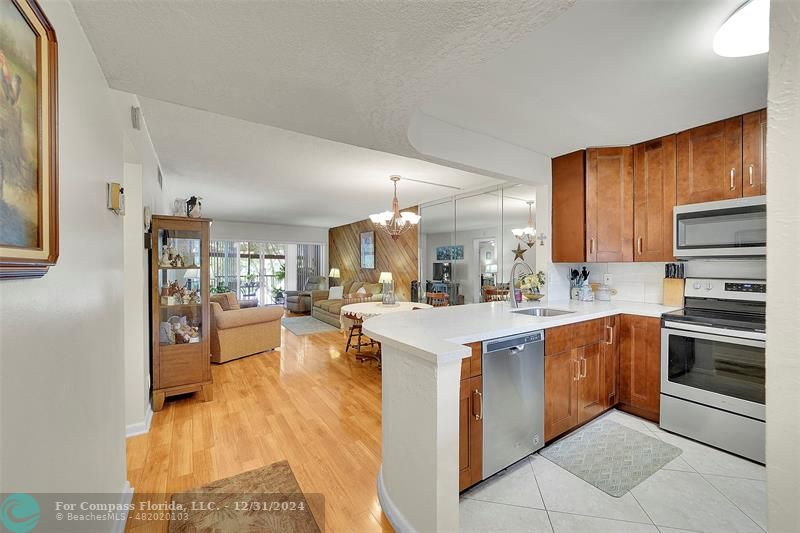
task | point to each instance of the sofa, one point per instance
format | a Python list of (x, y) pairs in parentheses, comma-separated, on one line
[(300, 301), (326, 309), (237, 332)]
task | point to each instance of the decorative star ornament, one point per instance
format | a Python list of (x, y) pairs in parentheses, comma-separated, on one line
[(519, 253)]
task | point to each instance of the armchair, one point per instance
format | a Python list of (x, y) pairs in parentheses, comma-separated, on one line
[(237, 332), (300, 301)]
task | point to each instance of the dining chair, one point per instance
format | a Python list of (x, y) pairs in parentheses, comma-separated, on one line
[(437, 299), (355, 338)]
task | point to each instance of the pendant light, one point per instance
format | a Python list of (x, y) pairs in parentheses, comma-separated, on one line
[(528, 234), (393, 222)]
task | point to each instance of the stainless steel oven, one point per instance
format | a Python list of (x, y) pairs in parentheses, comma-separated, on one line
[(728, 228), (713, 366)]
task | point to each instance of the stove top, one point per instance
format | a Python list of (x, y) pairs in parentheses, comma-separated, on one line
[(723, 303)]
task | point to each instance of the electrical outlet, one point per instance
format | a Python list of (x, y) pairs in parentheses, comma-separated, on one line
[(608, 279)]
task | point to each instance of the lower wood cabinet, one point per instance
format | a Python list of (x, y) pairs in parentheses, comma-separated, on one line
[(576, 383), (470, 417), (640, 366), (609, 361)]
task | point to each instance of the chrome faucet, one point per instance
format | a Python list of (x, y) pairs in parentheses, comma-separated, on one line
[(513, 288)]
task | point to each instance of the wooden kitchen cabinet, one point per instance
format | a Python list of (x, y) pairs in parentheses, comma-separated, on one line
[(754, 153), (568, 231), (709, 162), (573, 376), (609, 204), (640, 366), (470, 434), (609, 361), (654, 190)]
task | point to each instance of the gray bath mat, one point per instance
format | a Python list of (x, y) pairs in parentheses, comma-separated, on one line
[(610, 456)]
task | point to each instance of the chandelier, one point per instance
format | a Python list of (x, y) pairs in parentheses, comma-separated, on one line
[(394, 222), (527, 235)]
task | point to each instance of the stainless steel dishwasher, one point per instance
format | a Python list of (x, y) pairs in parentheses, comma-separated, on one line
[(513, 399)]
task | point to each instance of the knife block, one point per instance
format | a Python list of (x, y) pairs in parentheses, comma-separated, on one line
[(673, 292)]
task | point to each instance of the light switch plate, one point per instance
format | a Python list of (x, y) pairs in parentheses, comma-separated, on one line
[(608, 279)]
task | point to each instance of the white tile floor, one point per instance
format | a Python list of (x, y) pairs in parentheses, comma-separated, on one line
[(703, 490)]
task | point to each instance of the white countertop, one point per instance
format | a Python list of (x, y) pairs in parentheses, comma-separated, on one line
[(439, 334)]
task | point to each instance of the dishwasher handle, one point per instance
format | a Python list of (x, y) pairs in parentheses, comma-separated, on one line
[(514, 350), (513, 343)]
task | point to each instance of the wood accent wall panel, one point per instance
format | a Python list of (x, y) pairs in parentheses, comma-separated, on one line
[(568, 210), (654, 191), (399, 257)]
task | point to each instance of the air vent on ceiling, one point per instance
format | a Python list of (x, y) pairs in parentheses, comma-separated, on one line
[(136, 117)]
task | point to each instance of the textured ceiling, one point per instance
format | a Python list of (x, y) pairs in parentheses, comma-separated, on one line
[(251, 172), (607, 73), (351, 71)]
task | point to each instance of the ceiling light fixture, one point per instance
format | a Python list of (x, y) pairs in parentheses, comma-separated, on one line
[(394, 222), (746, 32), (527, 235)]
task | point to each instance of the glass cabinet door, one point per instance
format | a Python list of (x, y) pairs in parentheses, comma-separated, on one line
[(179, 286)]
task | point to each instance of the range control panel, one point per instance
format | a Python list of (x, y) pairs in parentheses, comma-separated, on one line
[(727, 289)]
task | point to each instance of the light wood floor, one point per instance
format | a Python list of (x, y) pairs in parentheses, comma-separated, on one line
[(309, 403)]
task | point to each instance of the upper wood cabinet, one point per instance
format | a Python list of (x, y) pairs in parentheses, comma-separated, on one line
[(710, 162), (653, 199), (568, 213), (754, 154), (640, 366), (609, 204)]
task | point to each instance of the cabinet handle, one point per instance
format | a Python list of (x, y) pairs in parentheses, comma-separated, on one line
[(591, 246), (583, 367), (639, 245), (733, 173), (610, 335), (576, 374), (750, 169), (477, 393)]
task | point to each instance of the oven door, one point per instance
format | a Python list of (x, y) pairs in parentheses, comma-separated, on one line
[(708, 366), (726, 228)]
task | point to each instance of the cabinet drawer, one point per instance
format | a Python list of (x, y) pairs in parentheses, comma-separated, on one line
[(588, 332), (181, 364), (558, 339)]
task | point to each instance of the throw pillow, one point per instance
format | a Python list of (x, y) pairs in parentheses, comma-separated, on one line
[(336, 293), (362, 290)]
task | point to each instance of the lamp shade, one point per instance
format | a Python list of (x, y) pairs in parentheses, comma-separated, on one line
[(386, 277), (334, 273)]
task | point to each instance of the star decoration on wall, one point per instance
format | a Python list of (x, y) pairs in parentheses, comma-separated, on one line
[(519, 253)]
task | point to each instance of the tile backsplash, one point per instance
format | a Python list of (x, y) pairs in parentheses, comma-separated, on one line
[(643, 282)]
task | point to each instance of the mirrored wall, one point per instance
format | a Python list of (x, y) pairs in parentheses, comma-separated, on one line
[(467, 246)]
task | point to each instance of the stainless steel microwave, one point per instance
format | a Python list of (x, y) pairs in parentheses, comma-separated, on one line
[(728, 228)]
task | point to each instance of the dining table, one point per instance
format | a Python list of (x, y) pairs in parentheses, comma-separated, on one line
[(365, 310)]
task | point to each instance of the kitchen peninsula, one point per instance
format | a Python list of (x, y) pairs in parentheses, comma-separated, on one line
[(418, 485)]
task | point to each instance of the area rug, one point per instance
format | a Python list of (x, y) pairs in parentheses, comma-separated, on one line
[(305, 325), (265, 499), (612, 457)]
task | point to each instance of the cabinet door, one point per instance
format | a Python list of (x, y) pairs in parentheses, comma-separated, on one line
[(640, 365), (560, 393), (609, 361), (590, 389), (754, 155), (470, 438), (710, 162), (609, 204), (568, 200), (653, 199)]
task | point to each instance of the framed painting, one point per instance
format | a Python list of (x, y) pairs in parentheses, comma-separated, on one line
[(450, 253), (28, 141), (368, 249)]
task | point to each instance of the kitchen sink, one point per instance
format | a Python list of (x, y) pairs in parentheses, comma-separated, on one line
[(542, 311)]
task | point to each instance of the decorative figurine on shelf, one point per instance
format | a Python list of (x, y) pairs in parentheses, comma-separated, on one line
[(177, 261), (164, 261), (194, 207)]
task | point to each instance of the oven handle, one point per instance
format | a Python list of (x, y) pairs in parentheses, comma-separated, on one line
[(750, 338)]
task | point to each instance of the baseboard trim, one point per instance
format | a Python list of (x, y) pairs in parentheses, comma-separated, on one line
[(126, 497), (139, 428), (393, 514)]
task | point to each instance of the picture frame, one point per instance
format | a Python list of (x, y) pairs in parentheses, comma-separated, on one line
[(450, 253), (29, 236), (368, 249)]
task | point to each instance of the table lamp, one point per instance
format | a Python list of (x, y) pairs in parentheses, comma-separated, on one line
[(388, 288), (334, 275)]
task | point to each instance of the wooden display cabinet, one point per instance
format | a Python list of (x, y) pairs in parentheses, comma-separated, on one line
[(179, 308)]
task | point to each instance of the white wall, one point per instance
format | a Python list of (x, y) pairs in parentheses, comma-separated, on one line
[(61, 381), (783, 222), (251, 231)]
